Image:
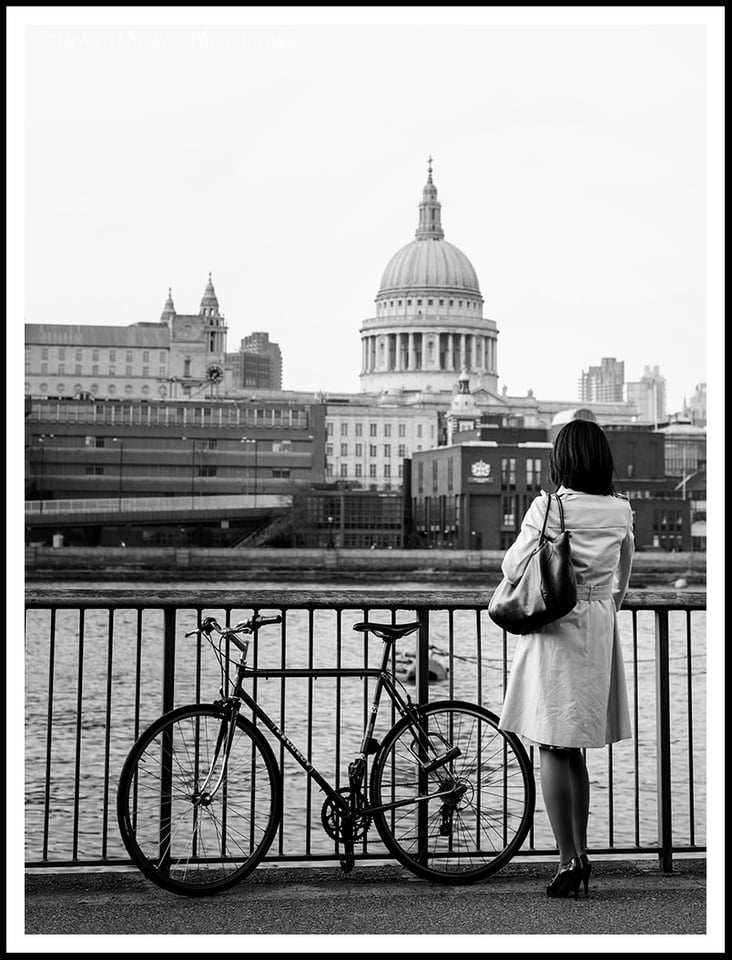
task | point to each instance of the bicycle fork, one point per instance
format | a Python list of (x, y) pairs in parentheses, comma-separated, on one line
[(203, 796)]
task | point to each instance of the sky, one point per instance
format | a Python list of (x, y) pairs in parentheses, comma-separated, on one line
[(286, 154)]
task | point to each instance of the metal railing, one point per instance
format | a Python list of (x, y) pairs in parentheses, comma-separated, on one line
[(101, 667), (183, 504)]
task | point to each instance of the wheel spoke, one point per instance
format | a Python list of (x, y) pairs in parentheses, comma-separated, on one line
[(209, 841), (488, 795)]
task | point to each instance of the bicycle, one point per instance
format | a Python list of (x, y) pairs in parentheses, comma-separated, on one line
[(199, 799)]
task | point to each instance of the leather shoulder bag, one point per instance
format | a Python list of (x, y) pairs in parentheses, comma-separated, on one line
[(547, 589)]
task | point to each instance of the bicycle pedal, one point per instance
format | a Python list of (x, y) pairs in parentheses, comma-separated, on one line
[(441, 761)]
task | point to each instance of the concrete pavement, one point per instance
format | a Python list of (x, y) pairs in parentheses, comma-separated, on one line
[(626, 897)]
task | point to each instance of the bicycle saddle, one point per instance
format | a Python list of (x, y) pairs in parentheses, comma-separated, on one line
[(388, 631)]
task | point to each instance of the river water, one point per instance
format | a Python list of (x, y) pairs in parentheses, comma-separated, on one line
[(92, 715)]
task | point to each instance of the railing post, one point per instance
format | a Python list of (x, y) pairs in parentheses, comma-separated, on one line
[(422, 661), (169, 622), (421, 682), (663, 742)]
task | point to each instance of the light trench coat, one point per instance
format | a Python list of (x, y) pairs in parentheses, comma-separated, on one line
[(567, 682)]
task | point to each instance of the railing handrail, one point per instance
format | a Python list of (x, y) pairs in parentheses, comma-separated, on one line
[(140, 504), (43, 595)]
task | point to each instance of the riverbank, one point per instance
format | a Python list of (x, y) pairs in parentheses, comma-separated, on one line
[(163, 564)]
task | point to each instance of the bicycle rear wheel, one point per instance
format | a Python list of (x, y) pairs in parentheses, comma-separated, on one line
[(464, 819), (182, 833)]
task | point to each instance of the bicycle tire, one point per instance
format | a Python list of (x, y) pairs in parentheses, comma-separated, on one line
[(485, 826), (184, 846)]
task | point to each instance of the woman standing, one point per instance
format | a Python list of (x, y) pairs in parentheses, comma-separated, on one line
[(566, 691)]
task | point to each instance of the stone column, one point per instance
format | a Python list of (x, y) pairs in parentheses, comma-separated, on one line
[(410, 357)]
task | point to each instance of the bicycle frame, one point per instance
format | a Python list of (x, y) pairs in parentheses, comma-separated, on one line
[(384, 681)]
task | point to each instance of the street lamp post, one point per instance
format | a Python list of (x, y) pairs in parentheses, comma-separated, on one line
[(42, 478), (193, 468), (330, 532), (255, 441), (121, 461)]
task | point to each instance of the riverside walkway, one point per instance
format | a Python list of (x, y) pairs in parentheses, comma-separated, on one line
[(289, 909)]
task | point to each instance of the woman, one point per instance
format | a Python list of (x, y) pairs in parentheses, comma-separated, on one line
[(566, 691)]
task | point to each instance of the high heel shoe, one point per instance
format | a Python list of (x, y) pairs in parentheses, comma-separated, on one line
[(567, 880), (586, 870)]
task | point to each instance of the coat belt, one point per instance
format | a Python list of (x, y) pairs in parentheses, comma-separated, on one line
[(602, 591)]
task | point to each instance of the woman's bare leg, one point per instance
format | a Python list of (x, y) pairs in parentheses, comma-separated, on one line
[(556, 789), (579, 782)]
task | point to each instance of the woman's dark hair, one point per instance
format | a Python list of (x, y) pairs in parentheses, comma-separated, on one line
[(581, 458)]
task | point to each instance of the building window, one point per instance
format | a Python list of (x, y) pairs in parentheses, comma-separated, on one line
[(419, 429), (372, 450), (146, 356), (206, 471), (450, 466), (420, 476), (78, 354), (359, 449), (533, 474), (44, 353), (508, 512), (387, 470), (281, 474), (387, 429), (344, 449), (329, 449), (508, 473), (95, 355), (162, 356), (372, 429), (95, 369), (387, 450), (344, 469), (112, 370), (129, 356), (344, 429), (372, 469), (435, 468), (128, 371), (62, 369), (94, 471), (359, 470), (402, 429), (329, 428), (402, 450), (281, 446), (77, 369), (61, 353), (112, 356), (359, 429)]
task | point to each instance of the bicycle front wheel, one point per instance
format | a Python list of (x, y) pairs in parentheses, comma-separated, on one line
[(190, 826), (465, 815)]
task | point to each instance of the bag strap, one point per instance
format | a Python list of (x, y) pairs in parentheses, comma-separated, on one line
[(546, 515)]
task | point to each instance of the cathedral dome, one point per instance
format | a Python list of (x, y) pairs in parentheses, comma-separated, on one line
[(429, 263)]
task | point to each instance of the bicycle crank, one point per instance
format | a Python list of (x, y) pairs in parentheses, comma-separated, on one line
[(332, 817)]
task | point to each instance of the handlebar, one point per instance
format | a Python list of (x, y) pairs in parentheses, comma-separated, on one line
[(210, 625)]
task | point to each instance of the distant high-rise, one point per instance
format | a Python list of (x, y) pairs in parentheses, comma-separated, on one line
[(649, 395), (696, 408), (257, 364), (604, 383)]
